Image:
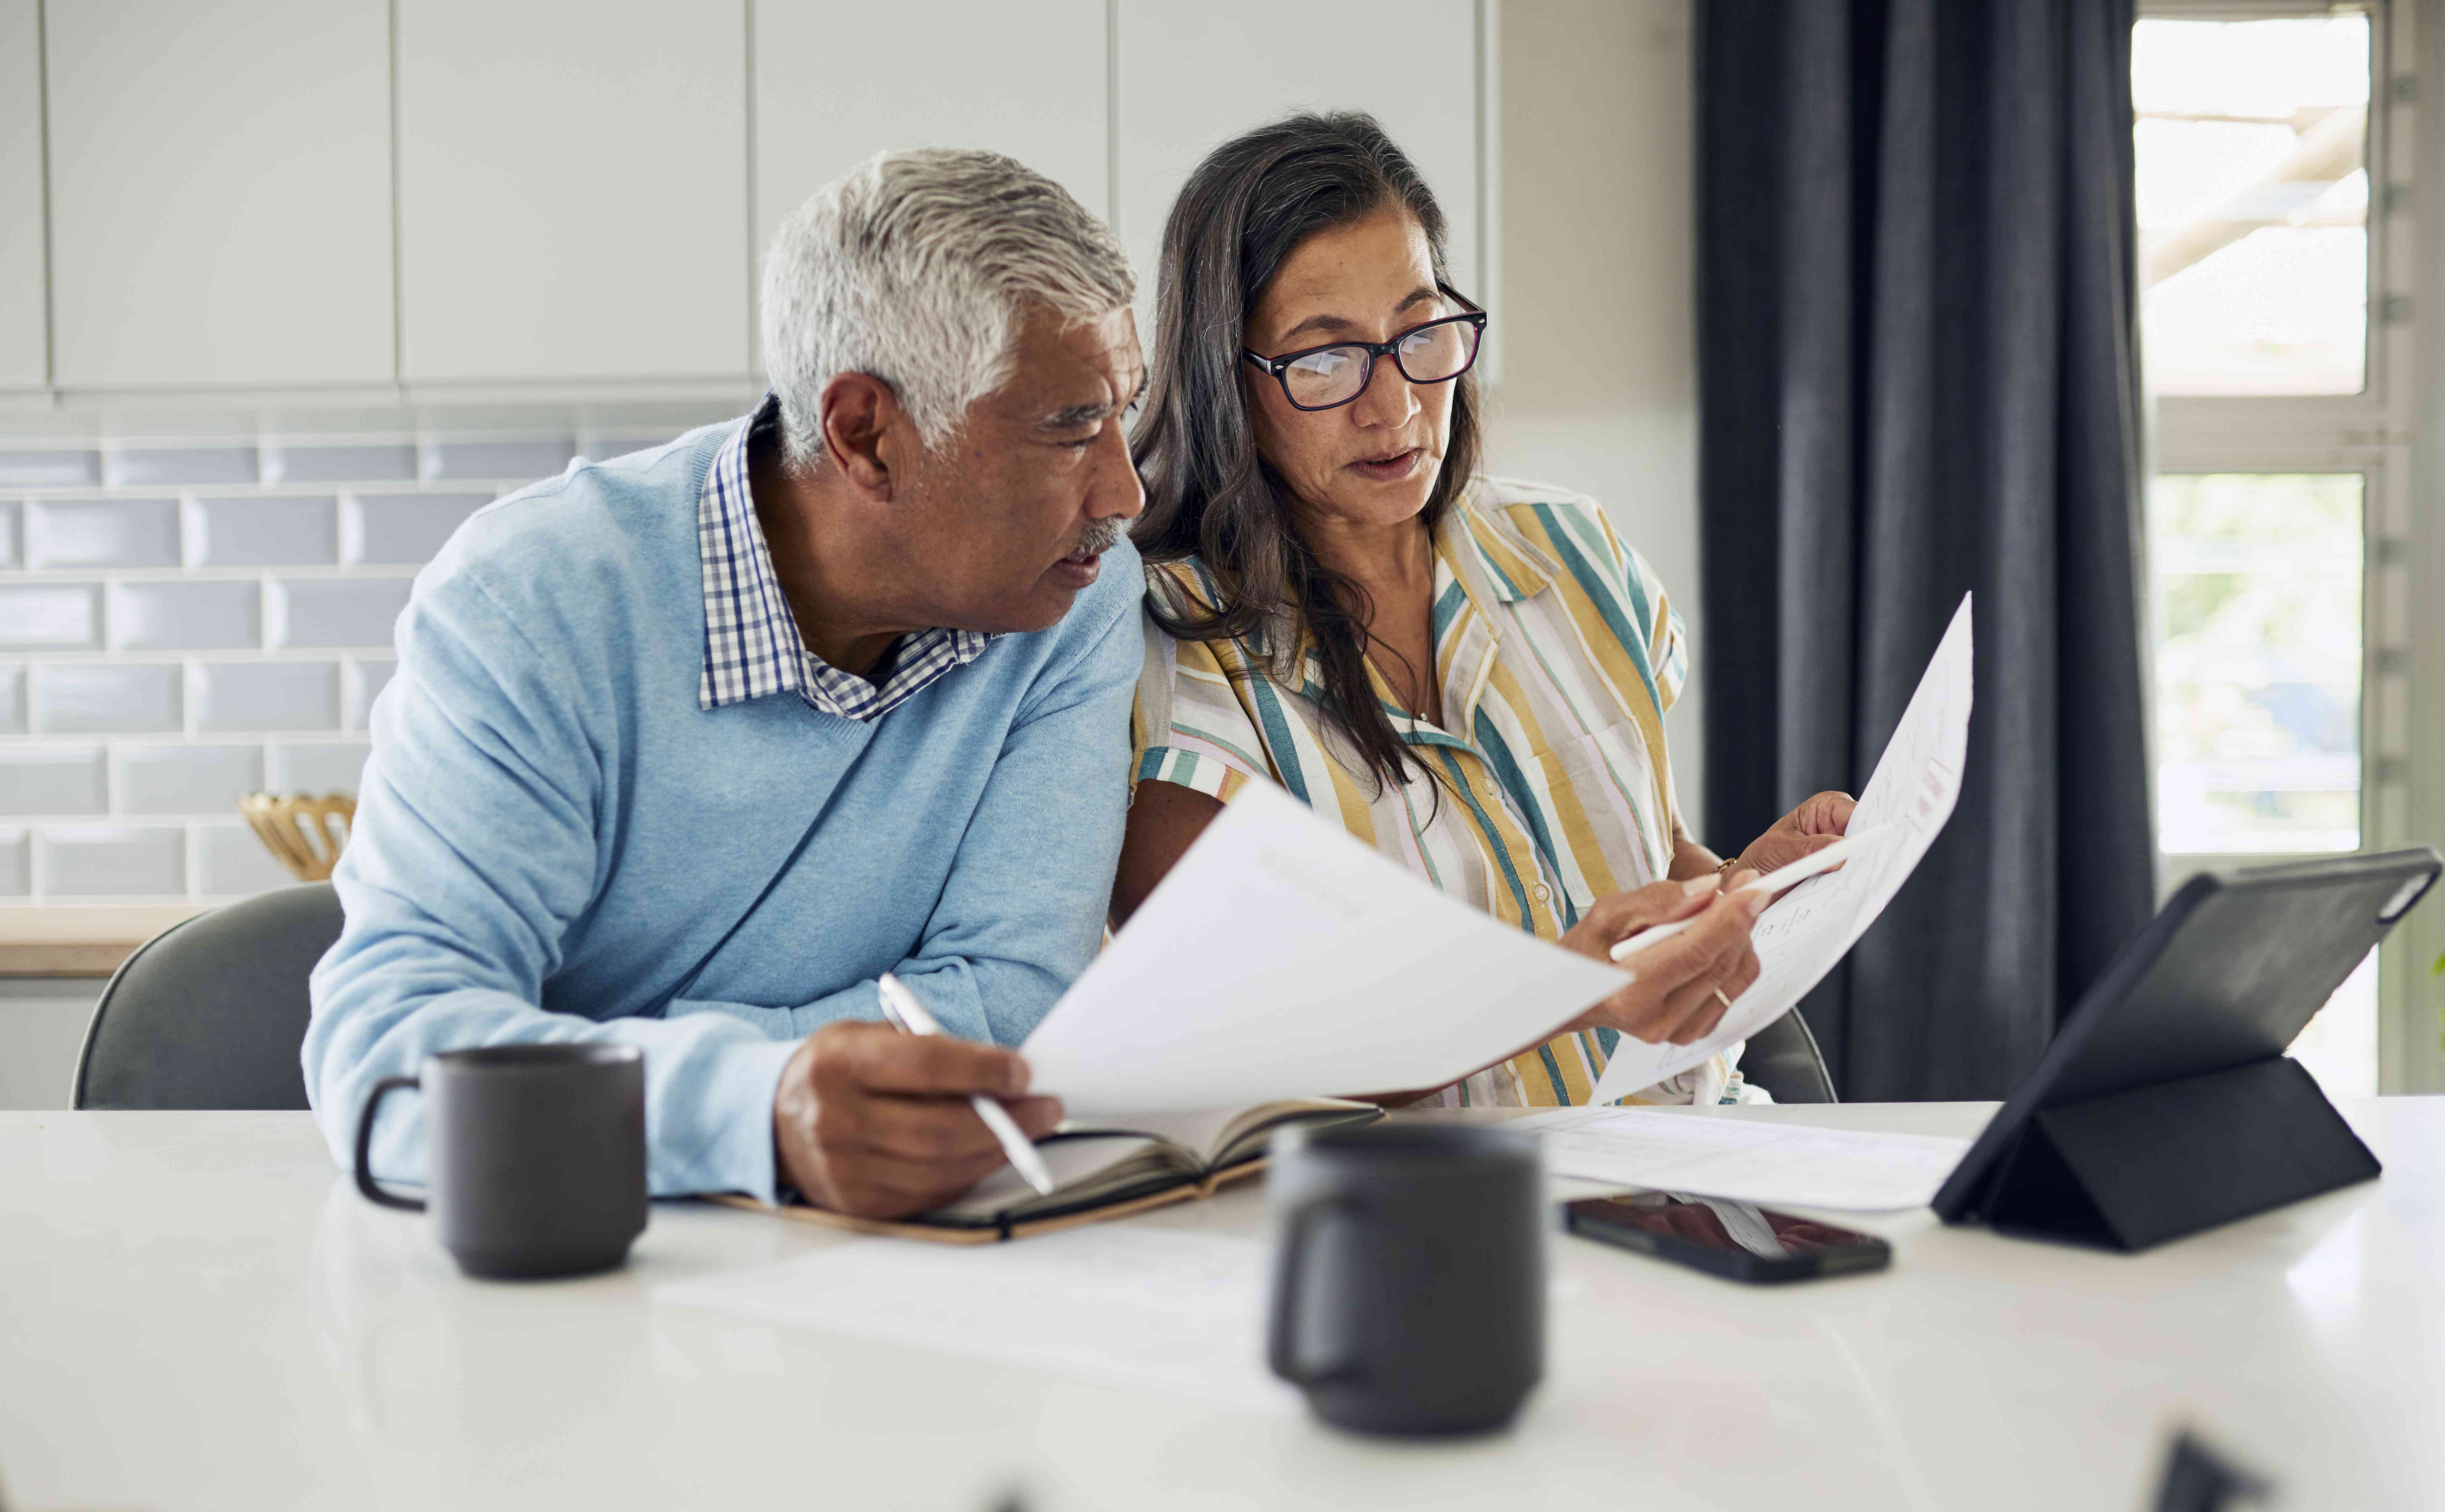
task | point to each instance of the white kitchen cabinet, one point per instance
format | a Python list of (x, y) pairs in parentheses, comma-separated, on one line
[(835, 84), (1194, 74), (219, 190), (573, 189), (24, 324)]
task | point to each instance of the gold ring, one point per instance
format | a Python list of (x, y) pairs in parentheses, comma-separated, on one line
[(1721, 999)]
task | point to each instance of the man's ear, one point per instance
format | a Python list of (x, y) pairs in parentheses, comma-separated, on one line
[(866, 432)]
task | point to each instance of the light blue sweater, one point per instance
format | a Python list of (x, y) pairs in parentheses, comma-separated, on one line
[(550, 832)]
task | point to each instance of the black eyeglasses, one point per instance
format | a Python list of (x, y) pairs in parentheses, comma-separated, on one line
[(1329, 377)]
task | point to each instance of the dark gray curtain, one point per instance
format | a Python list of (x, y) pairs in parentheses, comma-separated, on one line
[(1918, 376)]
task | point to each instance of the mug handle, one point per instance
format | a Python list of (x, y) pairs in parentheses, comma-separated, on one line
[(1282, 1347), (365, 1183)]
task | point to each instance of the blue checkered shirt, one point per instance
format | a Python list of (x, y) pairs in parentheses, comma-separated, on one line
[(752, 645)]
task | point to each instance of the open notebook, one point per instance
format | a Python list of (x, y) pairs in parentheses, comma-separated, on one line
[(1101, 1171)]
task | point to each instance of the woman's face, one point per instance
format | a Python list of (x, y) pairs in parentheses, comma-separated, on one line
[(1373, 460)]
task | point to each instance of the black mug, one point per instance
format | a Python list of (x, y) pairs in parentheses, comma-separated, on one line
[(536, 1155), (1409, 1274)]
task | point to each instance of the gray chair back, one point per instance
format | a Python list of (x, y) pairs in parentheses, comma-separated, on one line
[(211, 1013), (1783, 1058)]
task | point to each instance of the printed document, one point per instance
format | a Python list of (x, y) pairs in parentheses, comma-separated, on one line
[(1283, 959), (1126, 1305), (1812, 926), (1749, 1160)]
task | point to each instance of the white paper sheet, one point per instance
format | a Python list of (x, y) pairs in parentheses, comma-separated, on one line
[(1808, 931), (1117, 1303), (1282, 959), (1774, 1164)]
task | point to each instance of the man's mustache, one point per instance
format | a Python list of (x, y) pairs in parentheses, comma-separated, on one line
[(1100, 536)]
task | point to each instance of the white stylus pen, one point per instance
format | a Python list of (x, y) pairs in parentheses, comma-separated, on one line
[(1778, 880), (909, 1017)]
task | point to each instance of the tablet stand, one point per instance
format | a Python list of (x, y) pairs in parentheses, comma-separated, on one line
[(2135, 1168)]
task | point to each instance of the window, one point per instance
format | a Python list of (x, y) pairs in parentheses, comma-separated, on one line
[(2258, 661), (2253, 203), (2276, 347)]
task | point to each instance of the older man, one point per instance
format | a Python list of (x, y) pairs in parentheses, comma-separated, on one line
[(688, 748)]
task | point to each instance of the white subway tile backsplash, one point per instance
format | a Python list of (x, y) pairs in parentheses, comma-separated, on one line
[(334, 613), (240, 697), (92, 698), (498, 459), (49, 616), (56, 468), (184, 616), (366, 679), (318, 769), (95, 860), (146, 466), (264, 530), (176, 572), (380, 464), (403, 528), (103, 532), (232, 863), (187, 779), (52, 781)]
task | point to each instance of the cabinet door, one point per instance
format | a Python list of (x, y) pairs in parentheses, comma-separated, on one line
[(572, 188), (1194, 74), (220, 191), (835, 85), (24, 325)]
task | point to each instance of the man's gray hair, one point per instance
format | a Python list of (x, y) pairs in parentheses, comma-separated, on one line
[(919, 268)]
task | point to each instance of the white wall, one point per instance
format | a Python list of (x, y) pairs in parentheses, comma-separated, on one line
[(1598, 388), (25, 333)]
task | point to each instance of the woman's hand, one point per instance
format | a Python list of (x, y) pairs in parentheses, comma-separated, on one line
[(1674, 1000), (1800, 834)]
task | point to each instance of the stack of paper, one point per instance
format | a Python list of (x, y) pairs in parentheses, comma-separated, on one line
[(1126, 1305), (1775, 1163), (1282, 959)]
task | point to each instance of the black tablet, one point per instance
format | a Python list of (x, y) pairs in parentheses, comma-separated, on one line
[(2225, 976)]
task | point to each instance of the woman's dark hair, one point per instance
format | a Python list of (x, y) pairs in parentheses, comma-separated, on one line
[(1246, 208)]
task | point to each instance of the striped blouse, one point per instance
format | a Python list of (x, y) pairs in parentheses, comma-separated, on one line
[(1557, 655)]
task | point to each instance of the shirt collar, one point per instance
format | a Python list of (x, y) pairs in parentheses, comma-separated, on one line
[(1515, 566), (752, 645), (1479, 555)]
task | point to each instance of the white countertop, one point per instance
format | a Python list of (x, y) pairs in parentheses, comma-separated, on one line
[(197, 1312)]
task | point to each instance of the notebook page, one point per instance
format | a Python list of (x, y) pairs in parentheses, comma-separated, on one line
[(1072, 1161)]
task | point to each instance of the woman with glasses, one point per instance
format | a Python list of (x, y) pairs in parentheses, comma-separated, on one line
[(1467, 673)]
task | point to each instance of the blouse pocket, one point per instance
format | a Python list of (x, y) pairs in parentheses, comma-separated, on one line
[(1604, 794)]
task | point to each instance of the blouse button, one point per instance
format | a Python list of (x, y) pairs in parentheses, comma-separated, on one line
[(1544, 893)]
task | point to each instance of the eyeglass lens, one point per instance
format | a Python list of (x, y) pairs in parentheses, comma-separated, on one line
[(1428, 355)]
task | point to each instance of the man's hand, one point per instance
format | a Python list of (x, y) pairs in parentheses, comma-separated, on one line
[(1802, 832), (876, 1123)]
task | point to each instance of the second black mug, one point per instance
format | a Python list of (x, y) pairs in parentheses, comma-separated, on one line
[(1409, 1274), (536, 1155)]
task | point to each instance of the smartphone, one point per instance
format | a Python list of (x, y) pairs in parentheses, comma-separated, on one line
[(1738, 1240)]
